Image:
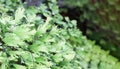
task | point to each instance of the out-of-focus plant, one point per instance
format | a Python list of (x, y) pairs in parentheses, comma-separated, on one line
[(9, 5), (103, 22)]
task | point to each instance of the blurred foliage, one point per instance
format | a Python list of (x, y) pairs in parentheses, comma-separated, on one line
[(103, 22), (29, 41)]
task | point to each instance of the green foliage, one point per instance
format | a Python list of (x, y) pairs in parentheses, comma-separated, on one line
[(28, 41), (9, 5), (103, 21)]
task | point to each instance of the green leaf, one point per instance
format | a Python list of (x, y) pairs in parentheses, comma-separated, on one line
[(112, 2), (57, 57), (43, 48), (28, 58), (19, 66), (39, 47), (19, 14), (69, 55), (41, 59), (12, 40), (54, 9), (84, 1), (112, 17), (117, 7), (42, 67), (24, 32), (34, 48), (43, 28)]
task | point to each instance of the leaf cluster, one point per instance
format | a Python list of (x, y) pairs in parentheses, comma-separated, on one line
[(29, 41)]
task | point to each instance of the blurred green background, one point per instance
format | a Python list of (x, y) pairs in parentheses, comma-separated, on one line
[(98, 19)]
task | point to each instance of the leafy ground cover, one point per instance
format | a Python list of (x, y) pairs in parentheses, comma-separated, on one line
[(40, 38), (98, 20)]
